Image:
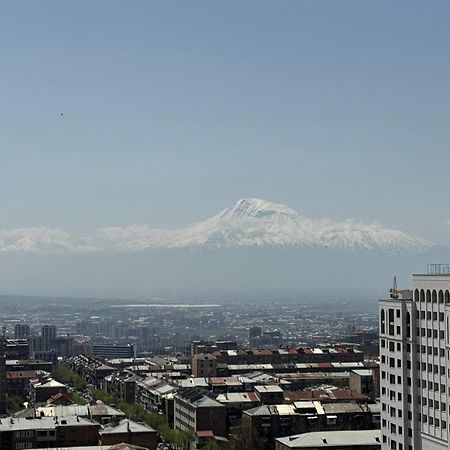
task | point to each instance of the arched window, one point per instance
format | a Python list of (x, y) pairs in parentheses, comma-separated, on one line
[(434, 296), (422, 295), (447, 297), (441, 296), (416, 295), (383, 321), (428, 295)]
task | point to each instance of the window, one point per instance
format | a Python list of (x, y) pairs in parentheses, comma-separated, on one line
[(391, 321), (399, 347), (397, 312), (383, 321)]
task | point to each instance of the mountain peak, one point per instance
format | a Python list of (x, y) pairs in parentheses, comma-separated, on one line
[(258, 208)]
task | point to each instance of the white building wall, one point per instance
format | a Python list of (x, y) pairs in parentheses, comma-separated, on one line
[(415, 363)]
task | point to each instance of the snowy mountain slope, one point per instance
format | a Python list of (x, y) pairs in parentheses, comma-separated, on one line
[(249, 223)]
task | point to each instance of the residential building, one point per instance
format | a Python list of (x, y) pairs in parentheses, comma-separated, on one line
[(129, 432), (261, 425), (415, 363), (21, 331), (204, 365), (332, 440), (2, 375), (194, 411), (44, 432), (48, 333)]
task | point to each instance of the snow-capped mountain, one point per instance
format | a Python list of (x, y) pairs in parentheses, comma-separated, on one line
[(249, 223)]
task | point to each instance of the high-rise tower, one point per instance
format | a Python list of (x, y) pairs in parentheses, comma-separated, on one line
[(415, 363), (2, 374)]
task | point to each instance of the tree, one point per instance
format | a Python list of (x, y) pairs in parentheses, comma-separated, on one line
[(211, 445)]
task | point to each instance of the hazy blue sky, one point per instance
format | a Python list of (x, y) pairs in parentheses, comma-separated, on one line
[(174, 110)]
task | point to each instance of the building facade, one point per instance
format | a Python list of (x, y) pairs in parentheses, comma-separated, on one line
[(415, 363)]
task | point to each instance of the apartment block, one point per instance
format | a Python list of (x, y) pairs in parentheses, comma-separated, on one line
[(415, 363)]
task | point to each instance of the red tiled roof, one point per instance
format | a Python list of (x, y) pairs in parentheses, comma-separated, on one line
[(265, 351), (324, 364), (207, 433)]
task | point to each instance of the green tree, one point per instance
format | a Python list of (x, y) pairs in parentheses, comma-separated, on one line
[(211, 445), (14, 403)]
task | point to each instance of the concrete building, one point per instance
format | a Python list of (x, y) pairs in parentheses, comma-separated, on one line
[(48, 333), (415, 363), (105, 351), (365, 381), (45, 432), (21, 331), (204, 365), (194, 411), (2, 375), (130, 432), (261, 425), (335, 440)]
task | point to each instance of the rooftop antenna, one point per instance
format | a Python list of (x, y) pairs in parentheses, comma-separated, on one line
[(394, 291)]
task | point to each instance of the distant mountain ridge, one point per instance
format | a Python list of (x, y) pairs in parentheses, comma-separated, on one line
[(250, 223)]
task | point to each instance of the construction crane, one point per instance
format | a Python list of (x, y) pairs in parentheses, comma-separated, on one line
[(393, 291)]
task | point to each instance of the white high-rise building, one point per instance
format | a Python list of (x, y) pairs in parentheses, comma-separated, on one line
[(415, 363)]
